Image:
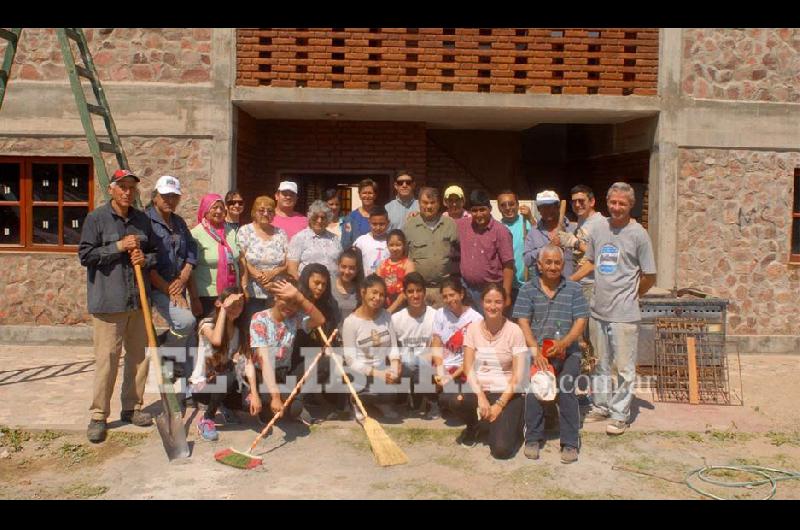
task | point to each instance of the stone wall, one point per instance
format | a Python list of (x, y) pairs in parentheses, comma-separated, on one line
[(742, 64), (734, 213), (174, 55), (50, 288)]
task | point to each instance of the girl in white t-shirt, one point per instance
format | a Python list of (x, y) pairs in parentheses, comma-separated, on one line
[(369, 339), (449, 327), (494, 358)]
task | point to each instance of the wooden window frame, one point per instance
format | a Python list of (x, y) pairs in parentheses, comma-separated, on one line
[(26, 202), (794, 259)]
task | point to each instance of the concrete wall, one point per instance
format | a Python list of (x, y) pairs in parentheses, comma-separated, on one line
[(169, 92), (742, 64), (175, 55), (725, 150)]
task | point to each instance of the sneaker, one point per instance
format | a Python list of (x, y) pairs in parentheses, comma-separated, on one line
[(356, 411), (137, 417), (616, 427), (569, 455), (387, 411), (469, 436), (532, 450), (229, 416), (431, 411), (595, 415), (96, 432), (207, 430)]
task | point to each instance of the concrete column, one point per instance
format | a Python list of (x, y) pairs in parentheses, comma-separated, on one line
[(664, 159), (223, 61)]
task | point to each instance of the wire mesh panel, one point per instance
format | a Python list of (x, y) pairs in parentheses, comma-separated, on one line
[(672, 361)]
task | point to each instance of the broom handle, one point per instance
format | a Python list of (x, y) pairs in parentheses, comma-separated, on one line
[(347, 380), (297, 387), (148, 324)]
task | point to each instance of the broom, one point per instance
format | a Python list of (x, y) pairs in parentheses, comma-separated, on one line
[(386, 452), (246, 460)]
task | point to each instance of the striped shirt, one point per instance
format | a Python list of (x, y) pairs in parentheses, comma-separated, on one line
[(546, 314)]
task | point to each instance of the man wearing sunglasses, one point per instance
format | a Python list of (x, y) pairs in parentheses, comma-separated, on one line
[(404, 203)]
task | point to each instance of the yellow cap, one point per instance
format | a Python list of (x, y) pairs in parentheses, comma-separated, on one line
[(453, 190)]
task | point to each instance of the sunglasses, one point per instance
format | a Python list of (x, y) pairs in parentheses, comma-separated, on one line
[(235, 203), (404, 182)]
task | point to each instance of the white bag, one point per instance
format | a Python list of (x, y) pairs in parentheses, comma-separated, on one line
[(543, 385)]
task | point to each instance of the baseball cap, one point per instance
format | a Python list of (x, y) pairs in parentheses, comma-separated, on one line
[(121, 174), (287, 185), (479, 198), (454, 190), (547, 197), (168, 184)]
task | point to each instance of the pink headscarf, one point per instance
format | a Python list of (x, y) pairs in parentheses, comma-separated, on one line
[(226, 265), (205, 205)]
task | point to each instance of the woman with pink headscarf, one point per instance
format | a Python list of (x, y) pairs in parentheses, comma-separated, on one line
[(217, 252)]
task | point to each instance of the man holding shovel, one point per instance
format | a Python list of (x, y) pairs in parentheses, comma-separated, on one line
[(115, 238)]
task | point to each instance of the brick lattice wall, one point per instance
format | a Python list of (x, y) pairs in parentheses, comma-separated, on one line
[(509, 60)]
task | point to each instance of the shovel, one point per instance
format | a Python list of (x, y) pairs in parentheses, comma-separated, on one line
[(169, 422)]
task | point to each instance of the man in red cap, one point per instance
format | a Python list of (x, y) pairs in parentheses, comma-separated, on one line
[(115, 237)]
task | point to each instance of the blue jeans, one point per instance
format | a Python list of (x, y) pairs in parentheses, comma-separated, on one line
[(616, 350), (474, 294), (182, 326), (567, 372)]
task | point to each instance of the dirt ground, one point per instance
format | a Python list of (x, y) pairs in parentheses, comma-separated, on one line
[(333, 460)]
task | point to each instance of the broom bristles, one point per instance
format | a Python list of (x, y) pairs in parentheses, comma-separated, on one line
[(232, 457), (386, 452)]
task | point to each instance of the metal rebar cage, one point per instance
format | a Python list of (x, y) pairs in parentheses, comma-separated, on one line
[(672, 360)]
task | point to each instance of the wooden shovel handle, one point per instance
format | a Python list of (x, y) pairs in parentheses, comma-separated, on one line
[(148, 325)]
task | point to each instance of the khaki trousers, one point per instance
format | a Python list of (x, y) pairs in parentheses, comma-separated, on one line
[(111, 330)]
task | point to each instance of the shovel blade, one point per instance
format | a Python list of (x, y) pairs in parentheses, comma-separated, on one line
[(173, 437)]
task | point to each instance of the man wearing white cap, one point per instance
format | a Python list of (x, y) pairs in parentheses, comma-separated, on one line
[(175, 259), (454, 203), (286, 218), (548, 232)]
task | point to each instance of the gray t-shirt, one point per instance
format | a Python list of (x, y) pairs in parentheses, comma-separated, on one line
[(584, 232), (347, 303), (619, 254)]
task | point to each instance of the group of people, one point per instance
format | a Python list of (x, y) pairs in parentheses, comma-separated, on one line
[(445, 310)]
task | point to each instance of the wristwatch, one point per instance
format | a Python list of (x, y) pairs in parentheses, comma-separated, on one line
[(501, 402)]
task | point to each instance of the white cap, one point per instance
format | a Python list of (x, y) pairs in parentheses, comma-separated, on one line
[(287, 185), (547, 197), (168, 184)]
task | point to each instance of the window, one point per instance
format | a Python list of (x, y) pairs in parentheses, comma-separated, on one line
[(43, 202), (795, 241)]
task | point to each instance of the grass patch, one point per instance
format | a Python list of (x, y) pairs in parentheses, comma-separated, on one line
[(85, 491), (455, 460), (431, 490), (419, 435), (13, 438), (529, 475), (74, 454), (128, 439), (557, 493), (780, 438)]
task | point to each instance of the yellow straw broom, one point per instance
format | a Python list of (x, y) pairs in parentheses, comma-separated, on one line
[(386, 452)]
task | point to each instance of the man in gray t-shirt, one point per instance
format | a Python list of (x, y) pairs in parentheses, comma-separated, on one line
[(625, 269)]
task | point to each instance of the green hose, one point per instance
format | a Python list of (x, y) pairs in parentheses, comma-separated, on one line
[(768, 475)]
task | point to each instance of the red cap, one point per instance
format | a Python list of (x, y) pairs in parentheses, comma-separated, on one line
[(121, 174)]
